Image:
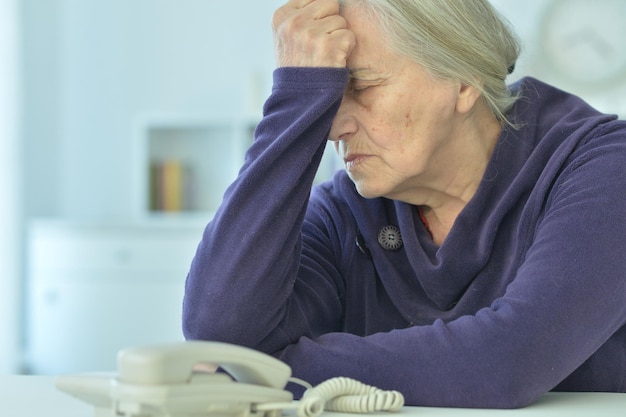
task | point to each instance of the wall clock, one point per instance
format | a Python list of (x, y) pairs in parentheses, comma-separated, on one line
[(584, 41)]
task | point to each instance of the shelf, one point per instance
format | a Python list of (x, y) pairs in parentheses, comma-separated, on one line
[(186, 164)]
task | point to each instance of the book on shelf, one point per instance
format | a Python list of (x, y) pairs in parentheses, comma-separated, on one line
[(171, 186)]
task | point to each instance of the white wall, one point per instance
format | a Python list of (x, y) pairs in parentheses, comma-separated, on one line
[(10, 207), (116, 60), (527, 18), (89, 69)]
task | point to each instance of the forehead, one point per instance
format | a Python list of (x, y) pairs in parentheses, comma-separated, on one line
[(371, 51)]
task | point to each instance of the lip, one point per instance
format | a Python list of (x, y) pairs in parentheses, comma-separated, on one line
[(353, 160)]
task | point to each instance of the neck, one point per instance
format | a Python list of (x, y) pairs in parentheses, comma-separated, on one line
[(455, 181), (458, 168)]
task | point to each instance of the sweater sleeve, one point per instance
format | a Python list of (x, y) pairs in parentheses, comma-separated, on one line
[(241, 280), (566, 301)]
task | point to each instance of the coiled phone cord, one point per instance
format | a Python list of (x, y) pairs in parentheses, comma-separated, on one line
[(349, 396), (343, 395)]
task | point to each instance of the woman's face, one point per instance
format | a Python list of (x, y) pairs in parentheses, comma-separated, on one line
[(396, 125)]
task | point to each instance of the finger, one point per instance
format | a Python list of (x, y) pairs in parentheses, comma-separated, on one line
[(314, 36), (331, 24), (320, 19), (299, 4), (320, 9), (312, 9), (345, 42)]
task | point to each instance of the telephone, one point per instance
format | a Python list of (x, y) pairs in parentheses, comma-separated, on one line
[(171, 380)]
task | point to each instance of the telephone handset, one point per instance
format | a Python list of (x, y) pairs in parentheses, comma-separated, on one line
[(174, 364), (164, 380)]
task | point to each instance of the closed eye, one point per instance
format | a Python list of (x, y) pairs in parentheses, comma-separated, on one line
[(357, 89), (358, 86)]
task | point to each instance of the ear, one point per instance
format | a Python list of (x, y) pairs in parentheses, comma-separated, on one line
[(467, 98)]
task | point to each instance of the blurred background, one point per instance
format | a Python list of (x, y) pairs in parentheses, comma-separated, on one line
[(121, 124)]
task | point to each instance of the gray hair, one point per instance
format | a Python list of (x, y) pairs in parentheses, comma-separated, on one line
[(465, 40)]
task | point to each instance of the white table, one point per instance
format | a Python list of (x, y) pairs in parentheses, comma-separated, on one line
[(36, 396)]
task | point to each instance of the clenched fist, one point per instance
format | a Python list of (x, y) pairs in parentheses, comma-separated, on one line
[(311, 33)]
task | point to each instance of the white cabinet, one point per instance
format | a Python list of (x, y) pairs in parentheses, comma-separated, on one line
[(96, 288)]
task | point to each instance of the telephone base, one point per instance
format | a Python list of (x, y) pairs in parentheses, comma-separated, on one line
[(162, 381)]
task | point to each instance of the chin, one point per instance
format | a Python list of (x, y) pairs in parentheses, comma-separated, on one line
[(367, 192)]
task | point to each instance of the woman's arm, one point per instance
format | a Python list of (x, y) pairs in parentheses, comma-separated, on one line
[(242, 277)]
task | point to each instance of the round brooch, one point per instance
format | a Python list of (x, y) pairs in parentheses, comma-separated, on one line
[(389, 238)]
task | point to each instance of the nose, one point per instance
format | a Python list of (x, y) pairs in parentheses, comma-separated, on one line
[(345, 124)]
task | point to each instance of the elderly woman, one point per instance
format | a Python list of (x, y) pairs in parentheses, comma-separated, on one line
[(473, 251)]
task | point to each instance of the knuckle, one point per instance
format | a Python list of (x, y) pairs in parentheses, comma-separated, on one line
[(278, 17)]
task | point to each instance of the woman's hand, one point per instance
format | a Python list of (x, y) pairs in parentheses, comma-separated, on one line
[(311, 33)]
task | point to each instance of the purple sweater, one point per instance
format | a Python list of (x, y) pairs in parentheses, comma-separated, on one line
[(526, 295)]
